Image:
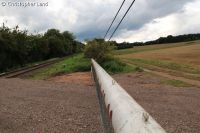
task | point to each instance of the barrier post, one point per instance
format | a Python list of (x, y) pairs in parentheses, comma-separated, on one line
[(120, 112)]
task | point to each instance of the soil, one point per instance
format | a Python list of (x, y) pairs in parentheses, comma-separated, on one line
[(69, 104), (28, 106), (177, 110), (78, 78)]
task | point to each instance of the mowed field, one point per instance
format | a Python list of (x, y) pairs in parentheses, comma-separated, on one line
[(176, 59), (178, 53), (172, 84)]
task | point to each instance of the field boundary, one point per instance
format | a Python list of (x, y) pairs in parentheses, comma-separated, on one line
[(173, 72), (167, 75), (160, 47), (188, 81)]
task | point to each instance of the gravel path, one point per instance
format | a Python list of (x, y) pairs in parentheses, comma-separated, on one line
[(176, 109), (65, 105), (28, 106)]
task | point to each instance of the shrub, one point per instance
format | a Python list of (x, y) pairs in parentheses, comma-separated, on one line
[(98, 49), (113, 66)]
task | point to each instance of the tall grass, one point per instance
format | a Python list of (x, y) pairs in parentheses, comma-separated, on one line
[(78, 63), (72, 64)]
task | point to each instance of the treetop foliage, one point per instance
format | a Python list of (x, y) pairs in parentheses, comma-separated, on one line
[(18, 48), (161, 40), (98, 49)]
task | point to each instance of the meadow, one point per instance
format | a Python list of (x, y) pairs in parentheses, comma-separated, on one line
[(179, 59)]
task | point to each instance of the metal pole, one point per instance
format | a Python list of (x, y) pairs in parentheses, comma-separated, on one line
[(123, 113)]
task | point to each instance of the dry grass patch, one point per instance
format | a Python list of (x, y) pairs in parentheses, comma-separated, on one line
[(182, 55)]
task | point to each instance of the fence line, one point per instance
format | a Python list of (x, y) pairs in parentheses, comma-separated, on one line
[(120, 112)]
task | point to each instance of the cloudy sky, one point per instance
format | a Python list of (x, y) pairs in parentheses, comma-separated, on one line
[(147, 20)]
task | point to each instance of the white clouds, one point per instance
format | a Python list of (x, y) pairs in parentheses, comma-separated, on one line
[(156, 28), (91, 18), (184, 21), (12, 20)]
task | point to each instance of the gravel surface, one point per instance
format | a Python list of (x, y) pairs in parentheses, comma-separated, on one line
[(28, 106), (65, 105), (176, 109)]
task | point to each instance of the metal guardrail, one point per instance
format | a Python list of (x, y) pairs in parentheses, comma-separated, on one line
[(120, 112)]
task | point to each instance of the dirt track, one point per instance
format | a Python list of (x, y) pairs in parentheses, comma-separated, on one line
[(28, 106), (176, 109)]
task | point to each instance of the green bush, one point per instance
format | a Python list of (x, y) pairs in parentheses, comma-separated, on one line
[(82, 67), (98, 49), (18, 48), (113, 66)]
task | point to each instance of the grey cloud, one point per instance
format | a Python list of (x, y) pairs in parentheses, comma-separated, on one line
[(91, 18), (144, 11)]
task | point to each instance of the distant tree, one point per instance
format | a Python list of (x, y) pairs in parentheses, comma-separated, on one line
[(53, 32), (68, 36), (17, 47), (79, 47), (161, 40), (38, 48), (56, 47), (98, 49), (69, 42)]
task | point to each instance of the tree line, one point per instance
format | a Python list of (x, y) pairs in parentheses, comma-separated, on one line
[(18, 48), (161, 40)]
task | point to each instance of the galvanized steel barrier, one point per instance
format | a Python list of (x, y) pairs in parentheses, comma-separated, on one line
[(120, 112)]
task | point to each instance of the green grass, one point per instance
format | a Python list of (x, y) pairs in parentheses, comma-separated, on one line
[(138, 49), (116, 66), (176, 83), (169, 65), (78, 63), (72, 64)]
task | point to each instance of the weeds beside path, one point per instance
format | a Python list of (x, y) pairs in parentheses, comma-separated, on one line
[(175, 77)]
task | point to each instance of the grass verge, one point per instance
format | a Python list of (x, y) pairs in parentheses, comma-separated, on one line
[(170, 65), (115, 65), (76, 63), (176, 83), (193, 76)]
